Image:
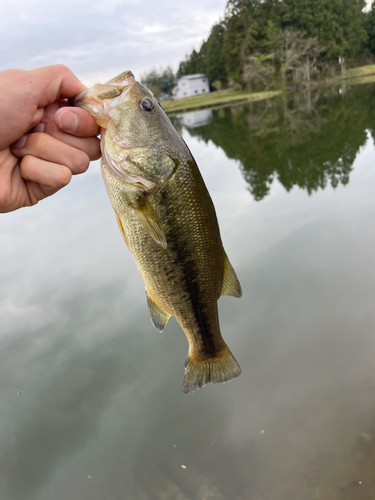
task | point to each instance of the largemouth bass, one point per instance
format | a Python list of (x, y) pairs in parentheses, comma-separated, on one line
[(168, 221)]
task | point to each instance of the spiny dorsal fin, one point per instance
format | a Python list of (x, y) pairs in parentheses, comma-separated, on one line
[(231, 285), (159, 317), (150, 221)]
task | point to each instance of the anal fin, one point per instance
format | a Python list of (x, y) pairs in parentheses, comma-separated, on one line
[(159, 317), (231, 285)]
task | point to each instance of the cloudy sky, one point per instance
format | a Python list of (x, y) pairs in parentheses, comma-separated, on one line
[(103, 37), (98, 39)]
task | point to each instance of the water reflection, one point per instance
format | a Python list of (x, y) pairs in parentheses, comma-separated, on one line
[(196, 118), (101, 415), (307, 140)]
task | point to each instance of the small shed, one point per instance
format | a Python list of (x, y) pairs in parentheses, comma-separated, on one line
[(189, 85)]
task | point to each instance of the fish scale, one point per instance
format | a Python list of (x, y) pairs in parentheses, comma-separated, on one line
[(168, 221)]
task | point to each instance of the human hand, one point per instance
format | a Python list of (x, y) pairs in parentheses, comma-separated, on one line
[(34, 165)]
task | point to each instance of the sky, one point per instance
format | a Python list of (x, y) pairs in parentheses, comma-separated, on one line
[(99, 39)]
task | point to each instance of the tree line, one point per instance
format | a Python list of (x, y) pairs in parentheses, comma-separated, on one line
[(262, 43)]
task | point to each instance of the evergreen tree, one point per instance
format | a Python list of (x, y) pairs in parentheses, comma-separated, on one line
[(369, 25), (233, 43), (164, 79), (337, 24), (194, 63), (212, 51)]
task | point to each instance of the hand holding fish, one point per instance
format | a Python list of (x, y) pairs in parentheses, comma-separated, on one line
[(42, 143)]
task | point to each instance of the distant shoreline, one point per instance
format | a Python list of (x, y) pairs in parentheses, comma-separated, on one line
[(214, 100), (354, 76)]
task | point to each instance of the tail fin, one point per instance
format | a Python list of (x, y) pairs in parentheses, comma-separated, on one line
[(216, 370)]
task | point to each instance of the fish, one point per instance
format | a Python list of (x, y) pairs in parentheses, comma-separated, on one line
[(168, 221)]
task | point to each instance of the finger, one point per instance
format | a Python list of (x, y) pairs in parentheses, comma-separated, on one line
[(90, 145), (49, 176), (51, 83), (11, 196), (50, 149), (37, 118), (76, 121)]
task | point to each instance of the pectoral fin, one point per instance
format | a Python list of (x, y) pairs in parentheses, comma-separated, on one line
[(159, 318), (231, 285), (149, 220)]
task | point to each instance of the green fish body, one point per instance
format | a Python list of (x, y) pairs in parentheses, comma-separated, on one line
[(168, 222)]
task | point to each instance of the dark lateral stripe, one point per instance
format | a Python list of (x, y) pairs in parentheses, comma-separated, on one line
[(191, 288)]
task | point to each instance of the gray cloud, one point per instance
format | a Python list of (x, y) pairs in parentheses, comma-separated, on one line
[(103, 38)]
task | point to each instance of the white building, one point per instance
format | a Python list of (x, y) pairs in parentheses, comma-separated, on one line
[(191, 85)]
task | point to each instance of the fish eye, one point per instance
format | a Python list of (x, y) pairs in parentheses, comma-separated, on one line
[(146, 104)]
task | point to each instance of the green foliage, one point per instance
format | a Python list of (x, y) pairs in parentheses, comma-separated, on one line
[(164, 79), (337, 24), (212, 50), (209, 58), (369, 25), (250, 38), (296, 54), (193, 64), (258, 71), (234, 40)]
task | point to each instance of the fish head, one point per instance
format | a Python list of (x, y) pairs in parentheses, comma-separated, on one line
[(128, 111)]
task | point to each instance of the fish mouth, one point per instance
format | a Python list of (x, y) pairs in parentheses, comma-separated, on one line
[(86, 100), (124, 78), (73, 101), (105, 95)]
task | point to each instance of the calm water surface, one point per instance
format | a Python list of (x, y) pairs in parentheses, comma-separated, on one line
[(90, 401)]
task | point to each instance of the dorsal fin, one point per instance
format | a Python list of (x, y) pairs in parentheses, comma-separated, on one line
[(231, 285), (159, 317)]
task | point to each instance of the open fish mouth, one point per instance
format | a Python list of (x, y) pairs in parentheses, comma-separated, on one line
[(103, 94)]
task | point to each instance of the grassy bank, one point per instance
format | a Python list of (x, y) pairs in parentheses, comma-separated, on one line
[(358, 76), (214, 99), (354, 76), (359, 72)]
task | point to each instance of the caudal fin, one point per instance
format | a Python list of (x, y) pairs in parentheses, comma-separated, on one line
[(216, 370)]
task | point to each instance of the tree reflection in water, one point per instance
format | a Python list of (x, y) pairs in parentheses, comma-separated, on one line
[(308, 140)]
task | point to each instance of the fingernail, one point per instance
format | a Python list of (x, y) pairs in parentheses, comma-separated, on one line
[(19, 144), (68, 121)]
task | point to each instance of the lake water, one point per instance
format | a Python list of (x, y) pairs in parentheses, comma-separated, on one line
[(90, 401)]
